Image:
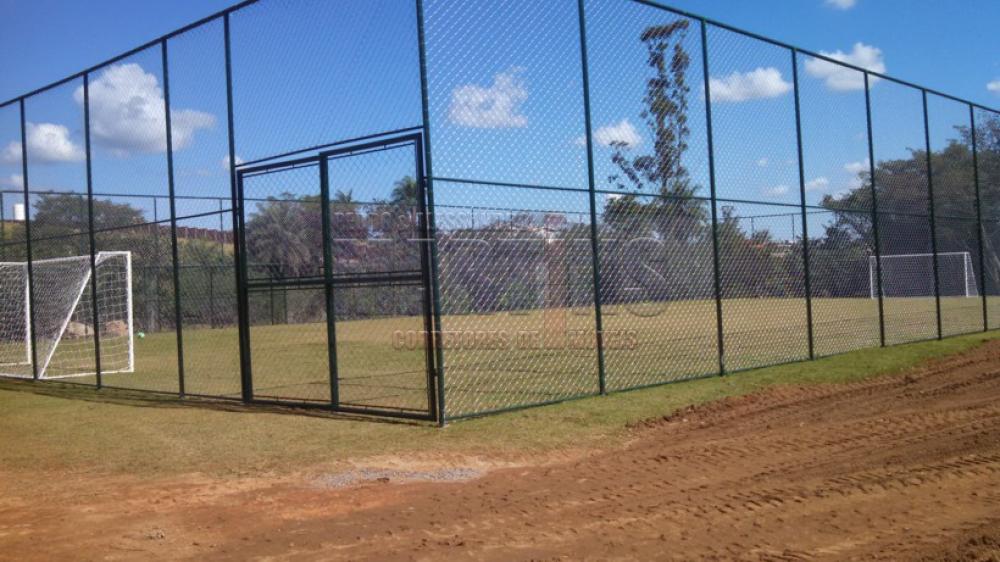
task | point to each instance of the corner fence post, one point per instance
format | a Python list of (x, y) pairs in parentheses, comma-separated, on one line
[(979, 220), (90, 231), (717, 263), (875, 221), (27, 237), (236, 195), (594, 240), (802, 195), (931, 210), (431, 214), (178, 327)]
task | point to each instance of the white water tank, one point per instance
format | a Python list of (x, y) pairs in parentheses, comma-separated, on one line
[(19, 212)]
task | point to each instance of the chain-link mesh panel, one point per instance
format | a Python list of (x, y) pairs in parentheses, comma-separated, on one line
[(516, 296), (12, 233), (908, 285), (59, 218), (843, 281), (284, 245), (991, 266), (956, 224), (156, 366), (763, 285), (753, 115), (382, 345), (657, 290), (355, 73), (208, 305), (63, 315), (843, 273), (15, 341), (290, 360), (15, 333), (283, 222), (988, 160), (639, 57), (380, 278), (905, 236), (504, 108)]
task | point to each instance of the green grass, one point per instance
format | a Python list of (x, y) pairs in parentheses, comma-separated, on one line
[(59, 427), (646, 344)]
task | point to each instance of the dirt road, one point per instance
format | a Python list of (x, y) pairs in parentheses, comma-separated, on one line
[(901, 467)]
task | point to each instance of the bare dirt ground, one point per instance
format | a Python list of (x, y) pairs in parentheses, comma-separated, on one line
[(895, 468)]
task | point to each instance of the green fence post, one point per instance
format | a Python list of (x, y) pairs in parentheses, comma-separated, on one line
[(875, 223), (236, 192), (90, 230), (27, 238), (717, 264), (802, 195), (931, 210), (431, 213), (178, 320), (594, 241)]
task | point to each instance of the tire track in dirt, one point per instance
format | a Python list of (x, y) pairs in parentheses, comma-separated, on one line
[(894, 468)]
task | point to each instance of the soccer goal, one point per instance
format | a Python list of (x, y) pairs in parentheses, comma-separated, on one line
[(63, 316), (912, 275)]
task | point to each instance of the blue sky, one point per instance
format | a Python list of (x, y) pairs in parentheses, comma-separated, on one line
[(306, 76)]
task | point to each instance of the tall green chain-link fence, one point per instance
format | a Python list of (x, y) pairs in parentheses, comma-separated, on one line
[(437, 209)]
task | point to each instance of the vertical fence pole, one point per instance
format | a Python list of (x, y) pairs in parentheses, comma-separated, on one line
[(236, 193), (931, 210), (717, 263), (431, 211), (331, 325), (90, 230), (802, 194), (178, 314), (594, 241), (979, 219), (27, 238), (875, 222)]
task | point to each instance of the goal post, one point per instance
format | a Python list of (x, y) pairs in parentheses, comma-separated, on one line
[(64, 319), (912, 275)]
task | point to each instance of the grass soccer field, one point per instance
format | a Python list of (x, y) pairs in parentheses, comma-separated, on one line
[(547, 356)]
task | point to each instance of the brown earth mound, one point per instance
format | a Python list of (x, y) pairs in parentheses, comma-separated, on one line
[(900, 467)]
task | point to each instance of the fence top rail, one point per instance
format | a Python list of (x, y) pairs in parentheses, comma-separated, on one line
[(651, 3)]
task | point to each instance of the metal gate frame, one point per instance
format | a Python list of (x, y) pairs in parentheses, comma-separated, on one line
[(329, 282)]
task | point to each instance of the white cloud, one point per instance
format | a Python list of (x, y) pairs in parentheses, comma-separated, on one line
[(495, 107), (841, 4), (817, 184), (613, 196), (47, 143), (994, 86), (127, 112), (225, 162), (741, 86), (762, 162), (775, 191), (855, 168), (619, 134), (841, 78)]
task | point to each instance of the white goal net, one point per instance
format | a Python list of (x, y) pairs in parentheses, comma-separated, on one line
[(63, 316), (912, 275)]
